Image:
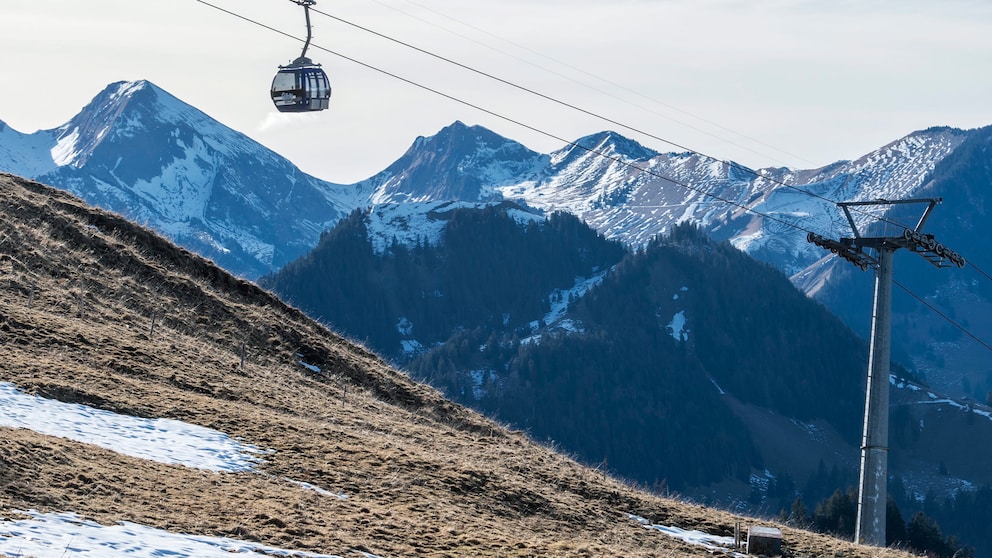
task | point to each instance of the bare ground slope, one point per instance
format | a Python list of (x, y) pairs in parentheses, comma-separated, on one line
[(79, 291)]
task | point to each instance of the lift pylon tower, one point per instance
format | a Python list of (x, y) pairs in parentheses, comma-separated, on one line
[(875, 437)]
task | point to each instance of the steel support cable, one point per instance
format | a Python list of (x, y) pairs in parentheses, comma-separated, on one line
[(549, 98), (509, 83), (979, 270), (923, 301), (615, 159), (618, 160), (588, 86), (598, 78), (593, 114)]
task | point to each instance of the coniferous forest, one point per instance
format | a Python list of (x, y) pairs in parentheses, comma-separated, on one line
[(489, 271), (618, 388)]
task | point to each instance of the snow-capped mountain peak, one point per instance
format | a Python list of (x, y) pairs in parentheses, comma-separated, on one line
[(895, 171), (138, 150), (76, 140), (459, 163), (609, 144)]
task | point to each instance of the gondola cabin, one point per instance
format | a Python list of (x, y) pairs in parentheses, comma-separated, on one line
[(301, 87)]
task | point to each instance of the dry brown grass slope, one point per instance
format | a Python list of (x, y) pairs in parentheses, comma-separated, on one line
[(425, 477)]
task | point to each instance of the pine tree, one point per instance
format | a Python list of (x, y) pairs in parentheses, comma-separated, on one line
[(798, 514)]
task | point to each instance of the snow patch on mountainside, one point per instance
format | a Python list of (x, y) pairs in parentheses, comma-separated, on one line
[(25, 154), (66, 149), (676, 327), (162, 440), (67, 535), (493, 171), (58, 535), (560, 299), (182, 189), (411, 223), (713, 544)]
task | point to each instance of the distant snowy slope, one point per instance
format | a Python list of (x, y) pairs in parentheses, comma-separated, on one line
[(26, 154), (595, 171), (630, 193), (413, 223)]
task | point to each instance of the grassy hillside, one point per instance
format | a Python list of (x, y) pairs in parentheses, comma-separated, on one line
[(79, 292)]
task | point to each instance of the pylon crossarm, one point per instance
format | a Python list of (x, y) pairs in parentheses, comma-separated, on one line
[(845, 206), (913, 239), (846, 248)]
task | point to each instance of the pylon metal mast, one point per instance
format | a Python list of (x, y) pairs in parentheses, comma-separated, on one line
[(875, 436)]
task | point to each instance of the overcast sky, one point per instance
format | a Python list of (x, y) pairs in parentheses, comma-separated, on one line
[(800, 83)]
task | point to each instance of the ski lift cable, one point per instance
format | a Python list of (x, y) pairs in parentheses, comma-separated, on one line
[(594, 88), (617, 85), (923, 301), (558, 138), (573, 144), (616, 159), (591, 113), (730, 164), (978, 269)]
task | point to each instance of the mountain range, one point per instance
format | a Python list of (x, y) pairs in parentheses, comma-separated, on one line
[(138, 150)]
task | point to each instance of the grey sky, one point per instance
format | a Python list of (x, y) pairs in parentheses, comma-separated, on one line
[(763, 82)]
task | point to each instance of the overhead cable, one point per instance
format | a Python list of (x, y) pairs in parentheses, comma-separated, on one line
[(615, 158), (923, 301), (588, 112), (587, 85), (614, 84)]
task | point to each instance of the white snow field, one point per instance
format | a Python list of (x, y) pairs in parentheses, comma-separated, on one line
[(55, 535), (66, 535), (162, 440)]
